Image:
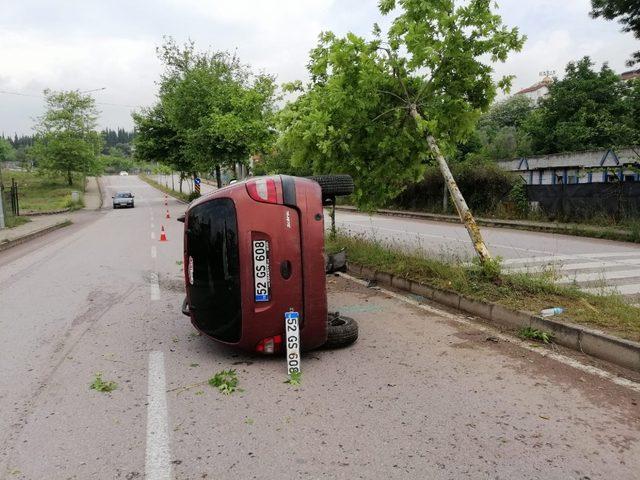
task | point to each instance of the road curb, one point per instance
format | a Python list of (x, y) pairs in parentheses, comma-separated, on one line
[(30, 236), (624, 353), (620, 235), (44, 214)]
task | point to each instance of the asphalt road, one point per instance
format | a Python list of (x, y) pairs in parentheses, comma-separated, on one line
[(595, 265), (422, 394)]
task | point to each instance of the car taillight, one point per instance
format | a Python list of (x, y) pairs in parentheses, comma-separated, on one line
[(270, 344), (263, 190)]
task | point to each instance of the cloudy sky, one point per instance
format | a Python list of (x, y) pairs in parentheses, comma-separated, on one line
[(85, 45)]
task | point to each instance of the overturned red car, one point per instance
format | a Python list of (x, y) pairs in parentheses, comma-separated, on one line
[(254, 251)]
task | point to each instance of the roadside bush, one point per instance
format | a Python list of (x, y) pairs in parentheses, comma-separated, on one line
[(484, 185)]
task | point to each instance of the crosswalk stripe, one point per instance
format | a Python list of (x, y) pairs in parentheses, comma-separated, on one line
[(606, 275), (577, 256), (630, 289), (580, 266)]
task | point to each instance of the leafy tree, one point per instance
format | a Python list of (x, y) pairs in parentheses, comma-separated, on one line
[(157, 140), (67, 141), (634, 101), (628, 14), (7, 152), (377, 109), (501, 129), (221, 111), (512, 112), (587, 109)]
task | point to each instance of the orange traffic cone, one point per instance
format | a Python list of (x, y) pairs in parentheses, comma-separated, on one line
[(168, 216), (163, 235)]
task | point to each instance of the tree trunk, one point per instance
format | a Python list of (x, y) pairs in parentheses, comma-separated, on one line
[(218, 176), (181, 179), (69, 178), (458, 200), (445, 198)]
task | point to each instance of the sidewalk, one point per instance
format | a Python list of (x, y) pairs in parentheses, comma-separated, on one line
[(551, 227), (42, 224)]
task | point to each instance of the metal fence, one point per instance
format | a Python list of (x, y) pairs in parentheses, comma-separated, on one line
[(10, 200), (618, 200)]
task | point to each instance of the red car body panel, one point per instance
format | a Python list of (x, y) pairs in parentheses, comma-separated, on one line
[(294, 228)]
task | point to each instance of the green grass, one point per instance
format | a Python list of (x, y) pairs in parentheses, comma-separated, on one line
[(180, 196), (520, 291), (101, 386), (294, 379), (44, 193), (535, 334), (11, 221), (226, 381)]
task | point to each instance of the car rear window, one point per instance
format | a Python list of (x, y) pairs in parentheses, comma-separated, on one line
[(212, 243)]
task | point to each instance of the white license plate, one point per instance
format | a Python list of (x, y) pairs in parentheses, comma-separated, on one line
[(261, 276), (292, 334)]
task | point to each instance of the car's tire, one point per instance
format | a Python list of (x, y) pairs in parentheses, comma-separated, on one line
[(132, 206), (114, 206), (334, 185), (341, 331)]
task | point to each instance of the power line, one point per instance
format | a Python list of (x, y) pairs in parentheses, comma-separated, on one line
[(97, 103)]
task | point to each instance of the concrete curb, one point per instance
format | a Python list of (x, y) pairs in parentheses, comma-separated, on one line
[(44, 214), (624, 353), (30, 236), (565, 229)]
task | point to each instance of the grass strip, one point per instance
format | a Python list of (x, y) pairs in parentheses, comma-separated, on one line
[(180, 196), (41, 193), (12, 221), (519, 291)]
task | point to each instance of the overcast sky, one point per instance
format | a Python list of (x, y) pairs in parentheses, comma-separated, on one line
[(84, 45)]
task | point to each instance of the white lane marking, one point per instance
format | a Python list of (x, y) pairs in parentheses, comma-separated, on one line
[(580, 266), (153, 235), (608, 275), (153, 226), (577, 256), (154, 252), (155, 287), (157, 461), (629, 289), (623, 382)]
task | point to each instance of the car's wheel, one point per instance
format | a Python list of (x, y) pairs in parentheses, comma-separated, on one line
[(114, 206), (132, 205), (341, 331), (334, 185)]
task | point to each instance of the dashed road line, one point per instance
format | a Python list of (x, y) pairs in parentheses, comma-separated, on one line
[(154, 286), (623, 382), (154, 251), (153, 235), (157, 460)]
